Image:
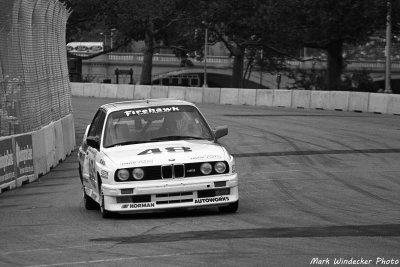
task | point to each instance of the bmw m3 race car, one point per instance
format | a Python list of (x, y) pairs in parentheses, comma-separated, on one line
[(155, 154)]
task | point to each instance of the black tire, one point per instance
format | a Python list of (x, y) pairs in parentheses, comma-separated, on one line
[(88, 202), (231, 208)]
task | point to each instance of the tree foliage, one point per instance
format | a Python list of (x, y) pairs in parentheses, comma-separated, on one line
[(329, 25), (278, 28)]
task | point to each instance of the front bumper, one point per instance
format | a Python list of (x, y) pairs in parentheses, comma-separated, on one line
[(218, 190)]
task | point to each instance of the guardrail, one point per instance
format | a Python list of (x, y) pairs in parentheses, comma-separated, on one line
[(329, 100), (228, 61), (157, 59)]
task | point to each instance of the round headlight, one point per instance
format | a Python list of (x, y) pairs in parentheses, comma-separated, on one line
[(138, 173), (206, 168), (123, 175), (220, 167)]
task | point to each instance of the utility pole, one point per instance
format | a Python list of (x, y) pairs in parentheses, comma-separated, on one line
[(388, 46), (261, 67), (205, 57)]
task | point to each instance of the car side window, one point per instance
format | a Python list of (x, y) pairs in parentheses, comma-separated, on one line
[(97, 124)]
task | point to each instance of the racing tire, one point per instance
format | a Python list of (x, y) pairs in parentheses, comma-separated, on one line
[(88, 202), (104, 213), (231, 208)]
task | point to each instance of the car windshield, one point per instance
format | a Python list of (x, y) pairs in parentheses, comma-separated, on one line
[(155, 124)]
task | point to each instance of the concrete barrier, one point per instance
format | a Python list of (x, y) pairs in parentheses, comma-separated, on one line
[(177, 92), (142, 92), (247, 97), (159, 92), (39, 153), (125, 91), (358, 101), (211, 95), (301, 98), (59, 142), (318, 99), (7, 164), (50, 146), (91, 89), (108, 90), (229, 96), (34, 154), (77, 89), (337, 100), (194, 94), (282, 98), (378, 103), (69, 134), (264, 97), (330, 100), (394, 105)]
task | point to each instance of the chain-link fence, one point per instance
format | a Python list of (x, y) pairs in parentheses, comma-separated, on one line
[(34, 82)]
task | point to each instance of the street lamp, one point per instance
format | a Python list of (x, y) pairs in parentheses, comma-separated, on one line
[(104, 39), (111, 37)]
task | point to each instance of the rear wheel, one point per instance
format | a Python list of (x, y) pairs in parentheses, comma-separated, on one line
[(88, 202), (231, 208)]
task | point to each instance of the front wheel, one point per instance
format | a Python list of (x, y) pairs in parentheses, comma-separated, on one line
[(231, 208)]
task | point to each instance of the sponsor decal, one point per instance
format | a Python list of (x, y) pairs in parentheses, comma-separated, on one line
[(23, 153), (211, 200), (93, 195), (154, 110), (138, 205), (104, 174), (7, 171), (138, 162), (168, 149), (206, 157), (102, 162)]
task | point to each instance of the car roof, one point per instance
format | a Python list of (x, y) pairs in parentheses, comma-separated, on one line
[(131, 104)]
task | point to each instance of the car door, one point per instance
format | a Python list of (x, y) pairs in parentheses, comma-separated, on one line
[(95, 133)]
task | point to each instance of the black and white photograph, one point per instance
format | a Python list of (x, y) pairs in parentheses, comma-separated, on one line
[(199, 133)]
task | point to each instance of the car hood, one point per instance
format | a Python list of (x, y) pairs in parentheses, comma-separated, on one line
[(161, 153)]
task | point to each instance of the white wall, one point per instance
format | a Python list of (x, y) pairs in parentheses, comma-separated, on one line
[(328, 100)]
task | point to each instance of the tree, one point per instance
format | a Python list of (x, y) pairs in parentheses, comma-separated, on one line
[(328, 25), (84, 18), (231, 22), (246, 27), (153, 21)]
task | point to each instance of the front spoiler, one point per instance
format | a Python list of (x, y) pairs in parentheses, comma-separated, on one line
[(173, 194)]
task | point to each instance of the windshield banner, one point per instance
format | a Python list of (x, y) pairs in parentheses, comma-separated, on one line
[(155, 110)]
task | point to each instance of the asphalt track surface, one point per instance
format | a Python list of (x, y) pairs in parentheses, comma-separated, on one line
[(314, 185)]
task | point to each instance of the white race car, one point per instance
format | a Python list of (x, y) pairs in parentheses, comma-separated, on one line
[(155, 154)]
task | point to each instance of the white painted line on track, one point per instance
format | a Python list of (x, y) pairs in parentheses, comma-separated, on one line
[(47, 249), (124, 259)]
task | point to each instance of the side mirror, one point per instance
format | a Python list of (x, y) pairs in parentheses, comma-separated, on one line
[(220, 131), (93, 141)]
